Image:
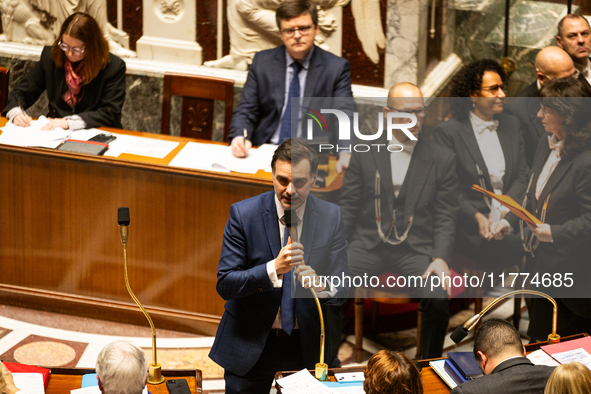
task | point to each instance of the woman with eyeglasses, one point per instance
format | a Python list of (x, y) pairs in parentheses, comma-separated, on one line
[(559, 194), (85, 84), (490, 153), (392, 373)]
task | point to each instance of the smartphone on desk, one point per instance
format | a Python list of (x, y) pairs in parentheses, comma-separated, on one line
[(103, 138), (178, 386)]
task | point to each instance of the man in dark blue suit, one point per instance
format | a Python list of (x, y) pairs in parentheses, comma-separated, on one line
[(265, 99), (265, 328)]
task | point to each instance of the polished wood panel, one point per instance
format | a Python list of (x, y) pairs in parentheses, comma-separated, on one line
[(198, 95), (62, 380), (59, 237)]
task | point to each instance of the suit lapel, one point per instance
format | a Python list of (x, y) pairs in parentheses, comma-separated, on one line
[(561, 169), (540, 158), (279, 78), (272, 227), (309, 229), (313, 73), (469, 140), (420, 163)]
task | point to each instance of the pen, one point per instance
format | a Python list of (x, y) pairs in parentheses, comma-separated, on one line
[(22, 110), (244, 132)]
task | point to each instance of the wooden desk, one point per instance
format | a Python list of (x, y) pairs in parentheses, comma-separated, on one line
[(62, 380), (59, 237), (432, 383)]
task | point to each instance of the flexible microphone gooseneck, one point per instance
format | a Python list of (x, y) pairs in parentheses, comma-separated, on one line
[(462, 331), (291, 222), (154, 369)]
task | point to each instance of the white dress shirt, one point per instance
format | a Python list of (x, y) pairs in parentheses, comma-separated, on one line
[(551, 163), (400, 161), (492, 153)]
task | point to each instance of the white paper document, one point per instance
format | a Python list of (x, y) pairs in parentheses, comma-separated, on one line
[(302, 382), (579, 355), (213, 157), (29, 383), (540, 357), (33, 135), (141, 146)]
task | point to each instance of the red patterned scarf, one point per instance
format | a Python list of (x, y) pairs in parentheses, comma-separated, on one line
[(74, 79)]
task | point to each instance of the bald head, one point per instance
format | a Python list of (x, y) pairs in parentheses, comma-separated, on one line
[(406, 97), (553, 63)]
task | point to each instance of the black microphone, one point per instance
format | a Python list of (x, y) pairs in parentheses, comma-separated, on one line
[(123, 220), (291, 222)]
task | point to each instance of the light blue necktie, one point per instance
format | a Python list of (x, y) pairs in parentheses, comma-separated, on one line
[(294, 91), (287, 302)]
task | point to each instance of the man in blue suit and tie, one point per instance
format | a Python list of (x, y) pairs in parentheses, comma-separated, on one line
[(264, 328), (296, 69)]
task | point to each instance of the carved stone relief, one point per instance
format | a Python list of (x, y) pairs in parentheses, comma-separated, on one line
[(38, 21), (169, 10), (252, 28)]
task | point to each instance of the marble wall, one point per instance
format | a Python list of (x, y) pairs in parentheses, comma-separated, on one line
[(479, 33)]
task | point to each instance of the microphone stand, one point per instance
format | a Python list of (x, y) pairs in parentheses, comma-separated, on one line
[(154, 369), (321, 370), (461, 332)]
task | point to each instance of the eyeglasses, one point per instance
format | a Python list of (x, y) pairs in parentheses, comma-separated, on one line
[(494, 90), (75, 50), (304, 30), (419, 112)]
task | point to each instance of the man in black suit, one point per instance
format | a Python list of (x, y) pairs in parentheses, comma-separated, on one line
[(264, 112), (501, 357), (574, 36), (551, 63), (400, 206)]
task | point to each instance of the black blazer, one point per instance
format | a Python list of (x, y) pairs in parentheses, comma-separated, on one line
[(525, 107), (569, 216), (515, 376), (261, 102), (432, 195), (459, 137), (101, 100)]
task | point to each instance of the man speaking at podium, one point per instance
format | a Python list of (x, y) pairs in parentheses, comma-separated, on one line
[(264, 329)]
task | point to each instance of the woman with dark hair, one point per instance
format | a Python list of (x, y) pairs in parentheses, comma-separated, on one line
[(490, 153), (85, 84), (392, 373), (559, 194)]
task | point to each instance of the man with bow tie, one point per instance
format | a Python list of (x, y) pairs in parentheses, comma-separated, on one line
[(271, 321), (490, 152), (400, 208)]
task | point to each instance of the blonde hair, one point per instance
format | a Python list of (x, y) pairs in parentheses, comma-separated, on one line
[(571, 378)]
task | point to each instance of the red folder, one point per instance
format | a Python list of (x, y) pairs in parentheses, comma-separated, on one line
[(24, 368)]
